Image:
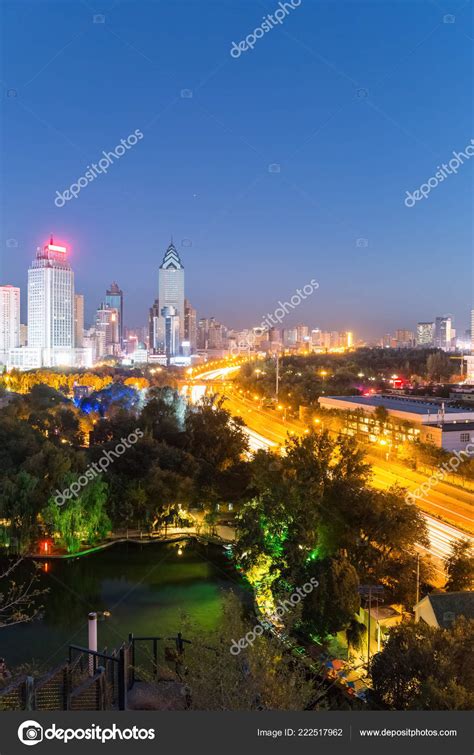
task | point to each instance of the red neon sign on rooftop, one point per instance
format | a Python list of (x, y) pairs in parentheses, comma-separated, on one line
[(52, 247)]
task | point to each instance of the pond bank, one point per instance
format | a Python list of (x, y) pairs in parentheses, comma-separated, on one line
[(223, 536)]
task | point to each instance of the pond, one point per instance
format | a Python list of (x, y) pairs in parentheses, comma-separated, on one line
[(146, 587)]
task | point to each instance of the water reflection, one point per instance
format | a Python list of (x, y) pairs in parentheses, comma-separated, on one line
[(145, 589)]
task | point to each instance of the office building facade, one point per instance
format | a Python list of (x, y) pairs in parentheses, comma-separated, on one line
[(9, 320)]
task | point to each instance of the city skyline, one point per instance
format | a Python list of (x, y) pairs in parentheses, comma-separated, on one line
[(172, 264), (259, 201)]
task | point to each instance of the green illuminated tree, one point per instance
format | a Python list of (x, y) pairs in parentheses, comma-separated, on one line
[(80, 519)]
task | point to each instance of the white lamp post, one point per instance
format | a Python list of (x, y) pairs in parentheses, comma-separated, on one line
[(92, 640)]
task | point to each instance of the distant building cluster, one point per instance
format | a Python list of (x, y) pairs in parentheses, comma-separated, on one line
[(55, 335), (438, 333)]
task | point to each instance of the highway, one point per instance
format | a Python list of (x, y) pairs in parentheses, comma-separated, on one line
[(448, 510)]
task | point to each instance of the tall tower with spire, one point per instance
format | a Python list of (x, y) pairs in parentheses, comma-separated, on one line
[(171, 288)]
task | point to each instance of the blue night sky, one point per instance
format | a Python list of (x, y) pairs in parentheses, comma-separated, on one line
[(357, 102)]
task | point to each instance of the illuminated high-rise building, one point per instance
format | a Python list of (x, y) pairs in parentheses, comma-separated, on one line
[(153, 320), (78, 320), (405, 338), (302, 333), (9, 320), (472, 331), (107, 331), (23, 335), (171, 336), (114, 300), (51, 301), (50, 314), (425, 333), (172, 320), (190, 326), (215, 334), (443, 332), (290, 336), (171, 286)]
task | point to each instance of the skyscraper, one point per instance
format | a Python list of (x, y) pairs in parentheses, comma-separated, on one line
[(425, 334), (153, 317), (172, 319), (171, 287), (9, 320), (404, 338), (78, 320), (51, 302), (169, 316), (215, 334), (107, 331), (202, 333), (190, 326), (443, 332), (114, 299), (50, 314), (472, 331)]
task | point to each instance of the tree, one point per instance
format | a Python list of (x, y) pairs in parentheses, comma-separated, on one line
[(163, 415), (321, 475), (426, 668), (261, 677), (213, 435), (81, 519), (19, 600), (262, 533), (355, 633), (438, 366), (331, 607), (460, 566), (17, 506)]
